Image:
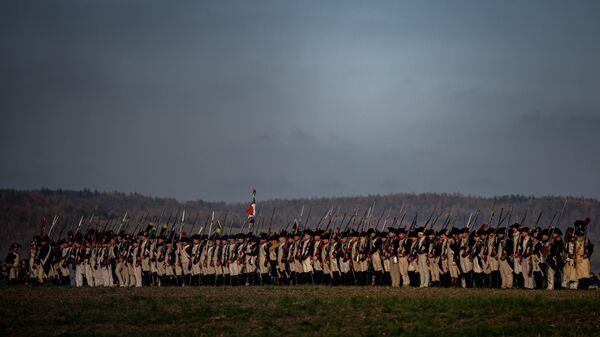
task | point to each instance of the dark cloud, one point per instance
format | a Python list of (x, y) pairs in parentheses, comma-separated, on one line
[(206, 100)]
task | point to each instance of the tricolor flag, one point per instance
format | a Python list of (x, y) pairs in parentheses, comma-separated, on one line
[(251, 211)]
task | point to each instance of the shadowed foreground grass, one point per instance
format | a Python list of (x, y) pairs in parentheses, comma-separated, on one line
[(297, 311)]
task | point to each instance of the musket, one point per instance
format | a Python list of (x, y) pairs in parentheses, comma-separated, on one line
[(323, 217), (301, 212), (492, 212), (379, 219), (414, 222), (386, 219), (430, 217), (349, 220), (435, 220), (106, 225), (538, 220), (402, 219), (79, 225), (506, 216), (308, 216), (360, 223), (230, 225), (195, 222), (181, 223), (446, 222), (500, 216), (122, 221), (54, 221), (270, 221), (561, 213), (61, 231), (526, 212), (341, 222), (212, 219), (224, 222), (474, 222)]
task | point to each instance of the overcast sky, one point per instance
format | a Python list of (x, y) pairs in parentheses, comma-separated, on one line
[(193, 99)]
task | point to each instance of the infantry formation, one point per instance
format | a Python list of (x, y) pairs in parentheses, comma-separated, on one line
[(515, 256)]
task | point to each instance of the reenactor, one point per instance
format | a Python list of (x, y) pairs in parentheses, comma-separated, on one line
[(306, 250), (583, 251), (422, 259), (374, 255), (524, 253), (315, 257), (282, 263), (11, 263)]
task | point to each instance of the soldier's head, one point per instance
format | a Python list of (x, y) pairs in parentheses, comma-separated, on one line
[(524, 231), (15, 247)]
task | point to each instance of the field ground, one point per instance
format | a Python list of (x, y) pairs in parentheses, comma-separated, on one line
[(297, 311)]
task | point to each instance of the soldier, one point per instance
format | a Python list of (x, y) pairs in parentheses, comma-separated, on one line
[(554, 259), (537, 258), (333, 255), (324, 256), (583, 251), (391, 252), (263, 259), (137, 264), (12, 262), (315, 256), (524, 253), (506, 257), (433, 256), (306, 251), (374, 255), (422, 259), (282, 253)]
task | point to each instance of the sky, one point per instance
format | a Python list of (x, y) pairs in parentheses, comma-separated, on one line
[(209, 99)]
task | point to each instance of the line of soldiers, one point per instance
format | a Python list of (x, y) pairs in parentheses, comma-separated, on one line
[(504, 257)]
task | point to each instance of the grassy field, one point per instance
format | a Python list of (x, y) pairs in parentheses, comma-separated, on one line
[(297, 311)]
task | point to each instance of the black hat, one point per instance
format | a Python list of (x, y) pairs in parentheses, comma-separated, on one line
[(400, 230), (524, 229), (308, 231), (283, 234), (555, 231), (464, 230), (515, 225), (15, 245), (263, 236), (326, 236), (429, 232), (501, 230)]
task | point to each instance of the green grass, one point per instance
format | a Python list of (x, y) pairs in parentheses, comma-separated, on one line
[(297, 311)]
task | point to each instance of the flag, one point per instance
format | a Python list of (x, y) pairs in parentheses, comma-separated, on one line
[(251, 211), (218, 228), (43, 229)]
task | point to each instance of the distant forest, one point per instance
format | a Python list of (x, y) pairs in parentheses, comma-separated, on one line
[(22, 211)]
